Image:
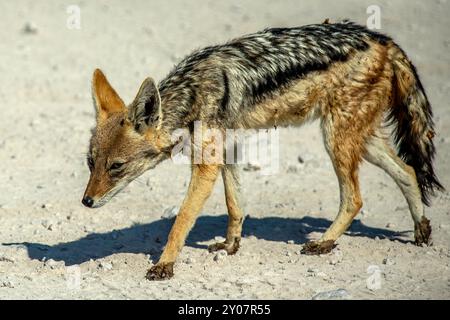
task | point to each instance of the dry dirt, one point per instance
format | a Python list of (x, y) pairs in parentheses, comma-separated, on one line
[(48, 239)]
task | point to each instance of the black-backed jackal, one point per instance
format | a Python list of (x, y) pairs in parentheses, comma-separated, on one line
[(355, 81)]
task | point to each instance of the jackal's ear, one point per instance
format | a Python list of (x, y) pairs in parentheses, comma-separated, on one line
[(145, 111), (106, 100)]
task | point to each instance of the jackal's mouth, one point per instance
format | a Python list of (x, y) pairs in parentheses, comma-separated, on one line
[(109, 195)]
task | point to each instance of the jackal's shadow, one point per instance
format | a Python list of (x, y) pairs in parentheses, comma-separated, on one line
[(149, 238)]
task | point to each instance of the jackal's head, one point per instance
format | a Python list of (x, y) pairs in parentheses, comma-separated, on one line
[(126, 140)]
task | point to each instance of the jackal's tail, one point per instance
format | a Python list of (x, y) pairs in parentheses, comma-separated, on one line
[(411, 115)]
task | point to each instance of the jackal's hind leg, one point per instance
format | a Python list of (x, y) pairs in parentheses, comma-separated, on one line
[(235, 215), (200, 187), (381, 154), (345, 153)]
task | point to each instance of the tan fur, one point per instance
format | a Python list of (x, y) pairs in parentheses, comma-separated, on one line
[(350, 98), (107, 101), (200, 187)]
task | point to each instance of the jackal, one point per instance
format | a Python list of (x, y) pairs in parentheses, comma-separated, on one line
[(357, 82)]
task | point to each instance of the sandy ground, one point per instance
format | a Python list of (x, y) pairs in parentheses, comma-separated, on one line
[(53, 247)]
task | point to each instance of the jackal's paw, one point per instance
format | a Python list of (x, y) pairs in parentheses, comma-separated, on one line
[(422, 232), (230, 248), (163, 271), (318, 247)]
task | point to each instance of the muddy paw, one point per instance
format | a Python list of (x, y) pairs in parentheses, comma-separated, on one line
[(162, 271), (230, 248), (318, 247), (422, 232)]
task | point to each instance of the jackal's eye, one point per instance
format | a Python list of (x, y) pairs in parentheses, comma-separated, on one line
[(116, 166)]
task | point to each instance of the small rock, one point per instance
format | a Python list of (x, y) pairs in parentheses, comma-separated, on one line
[(290, 242), (252, 166), (46, 206), (314, 235), (6, 283), (388, 262), (49, 225), (288, 254), (311, 272), (335, 258), (219, 239), (52, 264), (321, 274), (6, 259), (333, 262), (190, 260), (364, 212), (339, 294), (105, 265), (30, 28), (300, 160), (170, 213), (220, 255)]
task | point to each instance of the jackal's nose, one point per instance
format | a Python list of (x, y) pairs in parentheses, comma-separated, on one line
[(88, 201)]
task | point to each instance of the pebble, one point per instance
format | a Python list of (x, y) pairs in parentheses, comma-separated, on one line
[(311, 272), (335, 258), (300, 159), (388, 262), (6, 283), (333, 261), (170, 213), (364, 212), (30, 28), (190, 260), (252, 166), (105, 265), (220, 255), (314, 235), (6, 259), (339, 294), (290, 242), (219, 239), (54, 264), (48, 225)]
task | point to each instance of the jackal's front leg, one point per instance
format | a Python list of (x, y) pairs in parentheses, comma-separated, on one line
[(235, 215), (200, 187)]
